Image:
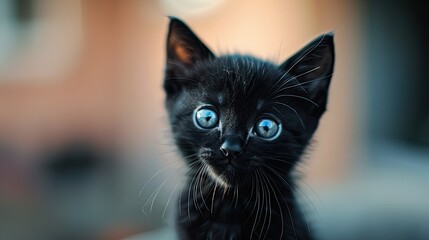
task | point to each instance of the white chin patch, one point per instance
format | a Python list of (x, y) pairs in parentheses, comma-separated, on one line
[(217, 178)]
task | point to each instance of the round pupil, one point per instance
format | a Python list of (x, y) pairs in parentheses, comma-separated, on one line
[(206, 118), (267, 128)]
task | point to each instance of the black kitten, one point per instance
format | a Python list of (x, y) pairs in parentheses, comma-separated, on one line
[(242, 124)]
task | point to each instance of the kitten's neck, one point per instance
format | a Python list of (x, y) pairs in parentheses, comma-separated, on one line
[(250, 208)]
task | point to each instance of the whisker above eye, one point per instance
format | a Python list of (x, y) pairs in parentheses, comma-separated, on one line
[(284, 83), (291, 108), (296, 96), (307, 82)]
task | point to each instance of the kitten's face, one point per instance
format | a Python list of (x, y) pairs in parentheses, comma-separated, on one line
[(235, 116)]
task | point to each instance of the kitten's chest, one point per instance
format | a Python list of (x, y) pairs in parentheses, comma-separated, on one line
[(221, 211), (199, 206), (223, 216)]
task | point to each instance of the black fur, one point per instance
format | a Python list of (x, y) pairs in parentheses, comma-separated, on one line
[(255, 198)]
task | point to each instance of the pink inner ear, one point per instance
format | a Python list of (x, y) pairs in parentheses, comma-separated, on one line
[(182, 54)]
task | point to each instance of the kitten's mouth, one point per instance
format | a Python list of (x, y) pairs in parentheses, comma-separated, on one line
[(224, 177), (221, 179), (221, 170)]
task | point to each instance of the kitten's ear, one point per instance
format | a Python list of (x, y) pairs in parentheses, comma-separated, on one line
[(312, 66), (183, 45), (183, 50)]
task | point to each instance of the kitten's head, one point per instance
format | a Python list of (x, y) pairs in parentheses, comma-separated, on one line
[(234, 116)]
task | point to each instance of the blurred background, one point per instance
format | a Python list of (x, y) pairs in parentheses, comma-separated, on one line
[(85, 148)]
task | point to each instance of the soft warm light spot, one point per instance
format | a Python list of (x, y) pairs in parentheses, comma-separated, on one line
[(189, 7), (182, 54)]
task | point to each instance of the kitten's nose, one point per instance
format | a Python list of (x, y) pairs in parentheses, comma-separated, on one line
[(232, 147)]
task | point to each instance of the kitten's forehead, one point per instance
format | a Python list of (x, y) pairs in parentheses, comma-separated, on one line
[(221, 98), (238, 77), (260, 104), (239, 86)]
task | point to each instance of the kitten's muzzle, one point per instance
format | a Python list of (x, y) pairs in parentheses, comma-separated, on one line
[(232, 147)]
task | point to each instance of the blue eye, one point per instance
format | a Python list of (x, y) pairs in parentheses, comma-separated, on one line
[(267, 128), (205, 118)]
